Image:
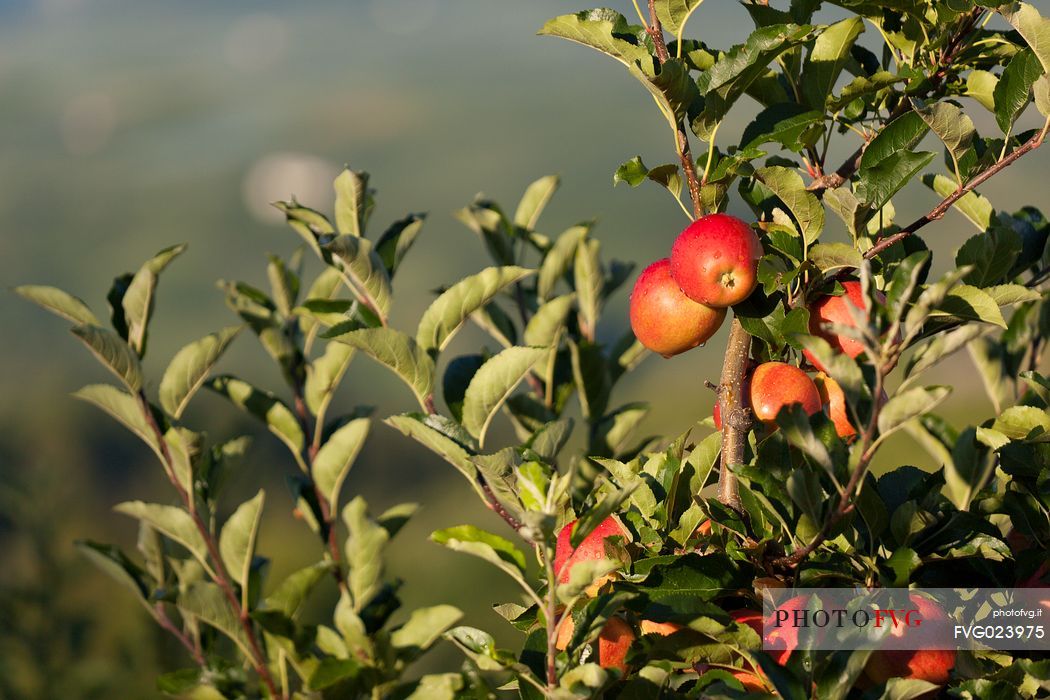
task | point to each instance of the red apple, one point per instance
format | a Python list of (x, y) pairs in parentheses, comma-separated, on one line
[(835, 309), (614, 642), (779, 643), (932, 665), (775, 385), (592, 547), (715, 260), (664, 319), (834, 399)]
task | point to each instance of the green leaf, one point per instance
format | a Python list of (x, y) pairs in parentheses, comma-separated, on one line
[(991, 254), (535, 200), (109, 349), (284, 285), (396, 240), (493, 383), (336, 456), (604, 30), (189, 368), (353, 202), (902, 134), (333, 670), (548, 320), (59, 303), (733, 73), (1041, 90), (558, 259), (970, 303), (618, 426), (880, 182), (787, 184), (835, 256), (363, 272), (424, 627), (306, 222), (492, 548), (1034, 28), (324, 374), (589, 280), (907, 689), (1013, 91), (138, 298), (264, 406), (415, 426), (863, 85), (827, 58), (980, 85), (785, 123), (114, 562), (447, 313), (973, 206), (847, 207), (632, 171), (582, 575), (237, 539), (966, 472), (1024, 423), (207, 602), (672, 87), (292, 592), (907, 405), (673, 14), (364, 548), (123, 407), (400, 353), (174, 523), (951, 125), (1007, 294)]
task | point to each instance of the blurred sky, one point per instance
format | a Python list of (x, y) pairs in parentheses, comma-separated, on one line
[(126, 127)]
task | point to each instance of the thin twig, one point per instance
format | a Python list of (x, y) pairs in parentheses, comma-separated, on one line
[(851, 165), (496, 507), (330, 534), (681, 137), (221, 576), (939, 211), (161, 616)]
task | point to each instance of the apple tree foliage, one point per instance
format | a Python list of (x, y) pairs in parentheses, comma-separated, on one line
[(898, 86)]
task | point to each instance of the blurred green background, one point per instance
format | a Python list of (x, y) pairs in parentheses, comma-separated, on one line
[(130, 126)]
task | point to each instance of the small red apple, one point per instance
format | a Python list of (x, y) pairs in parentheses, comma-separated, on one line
[(715, 260), (664, 319), (592, 547), (932, 665), (832, 396), (835, 309), (774, 385), (779, 643), (614, 641)]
